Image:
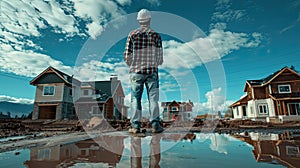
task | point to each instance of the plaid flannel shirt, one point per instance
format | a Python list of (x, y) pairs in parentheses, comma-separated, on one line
[(143, 52)]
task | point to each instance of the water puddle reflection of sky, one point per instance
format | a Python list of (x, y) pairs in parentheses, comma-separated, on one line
[(164, 150)]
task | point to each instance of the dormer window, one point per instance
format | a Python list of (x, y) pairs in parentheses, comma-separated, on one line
[(284, 88)]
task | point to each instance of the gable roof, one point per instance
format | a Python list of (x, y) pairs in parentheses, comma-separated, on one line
[(178, 103), (241, 101), (65, 77), (270, 78)]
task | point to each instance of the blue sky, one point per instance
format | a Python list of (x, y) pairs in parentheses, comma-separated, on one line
[(211, 47)]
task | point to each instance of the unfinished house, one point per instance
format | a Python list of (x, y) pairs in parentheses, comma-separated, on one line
[(275, 98), (177, 110), (103, 99), (54, 95), (60, 96)]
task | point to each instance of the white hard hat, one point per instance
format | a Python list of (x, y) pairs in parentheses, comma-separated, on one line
[(143, 15)]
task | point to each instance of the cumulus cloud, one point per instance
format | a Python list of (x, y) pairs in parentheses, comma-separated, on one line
[(4, 98), (216, 101), (216, 45), (22, 21), (21, 62)]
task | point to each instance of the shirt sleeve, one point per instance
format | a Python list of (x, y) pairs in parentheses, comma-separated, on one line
[(159, 51), (128, 51)]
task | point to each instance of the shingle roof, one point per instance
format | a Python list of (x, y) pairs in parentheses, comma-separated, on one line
[(67, 78), (268, 78)]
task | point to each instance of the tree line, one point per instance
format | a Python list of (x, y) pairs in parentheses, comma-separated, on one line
[(8, 115)]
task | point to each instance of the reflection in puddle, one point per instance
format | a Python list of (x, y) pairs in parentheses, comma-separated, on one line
[(275, 148), (167, 150)]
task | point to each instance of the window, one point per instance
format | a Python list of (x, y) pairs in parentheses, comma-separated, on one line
[(49, 90), (237, 111), (166, 109), (83, 152), (174, 108), (44, 154), (262, 108), (70, 92), (284, 88), (292, 150), (294, 108), (85, 92)]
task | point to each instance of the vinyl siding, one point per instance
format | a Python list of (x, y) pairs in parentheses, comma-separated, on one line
[(58, 93)]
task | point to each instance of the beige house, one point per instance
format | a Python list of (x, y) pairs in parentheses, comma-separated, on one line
[(60, 96), (54, 95), (275, 98)]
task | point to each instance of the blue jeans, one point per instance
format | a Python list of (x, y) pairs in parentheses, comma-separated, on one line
[(137, 85)]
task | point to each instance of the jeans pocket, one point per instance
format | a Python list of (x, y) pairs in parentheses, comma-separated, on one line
[(136, 78)]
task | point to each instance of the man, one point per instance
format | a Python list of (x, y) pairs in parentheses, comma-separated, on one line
[(143, 54)]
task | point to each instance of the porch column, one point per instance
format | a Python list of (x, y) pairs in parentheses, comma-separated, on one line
[(284, 108)]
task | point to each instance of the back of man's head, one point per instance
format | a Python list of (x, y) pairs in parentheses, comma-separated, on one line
[(143, 16)]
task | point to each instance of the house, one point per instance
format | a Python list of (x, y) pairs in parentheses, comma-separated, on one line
[(177, 110), (103, 99), (60, 96), (106, 150), (281, 148), (54, 95), (275, 98)]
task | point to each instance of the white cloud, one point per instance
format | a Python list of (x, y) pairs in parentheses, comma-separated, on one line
[(124, 2), (28, 63), (23, 20), (216, 45), (288, 27), (98, 13), (4, 98), (154, 2), (216, 101), (224, 13), (94, 29)]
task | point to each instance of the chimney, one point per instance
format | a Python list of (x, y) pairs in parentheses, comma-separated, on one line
[(113, 77)]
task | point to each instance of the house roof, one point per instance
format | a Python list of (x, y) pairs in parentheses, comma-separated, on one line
[(175, 102), (104, 87), (65, 77), (242, 100), (270, 78), (105, 90)]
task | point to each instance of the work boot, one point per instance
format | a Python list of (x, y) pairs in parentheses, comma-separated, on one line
[(156, 128)]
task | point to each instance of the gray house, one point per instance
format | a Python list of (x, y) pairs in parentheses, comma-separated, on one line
[(54, 95), (103, 99)]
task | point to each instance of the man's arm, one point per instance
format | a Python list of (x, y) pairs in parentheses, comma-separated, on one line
[(128, 51)]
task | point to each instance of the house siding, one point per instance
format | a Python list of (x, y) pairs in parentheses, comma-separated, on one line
[(58, 94), (260, 92)]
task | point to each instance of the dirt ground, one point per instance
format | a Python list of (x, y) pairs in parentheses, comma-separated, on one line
[(33, 133)]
